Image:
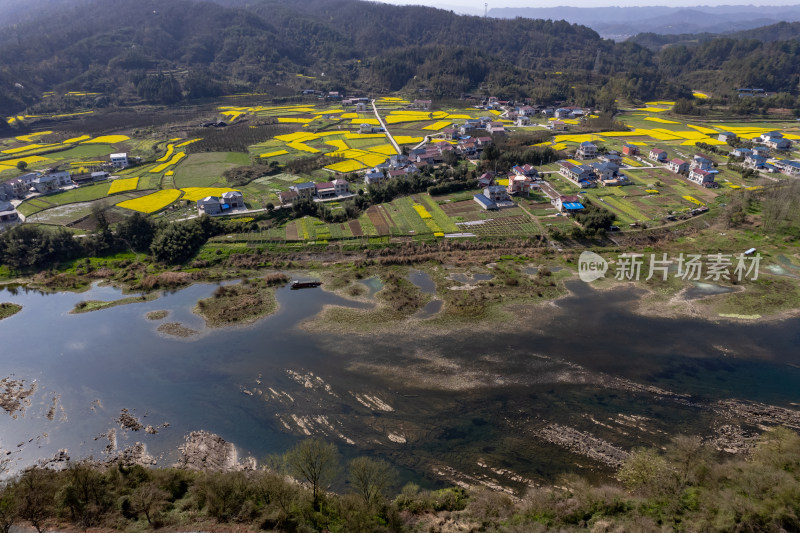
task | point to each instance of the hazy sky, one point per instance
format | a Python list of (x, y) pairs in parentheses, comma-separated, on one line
[(477, 6)]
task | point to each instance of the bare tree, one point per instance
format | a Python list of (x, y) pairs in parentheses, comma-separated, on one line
[(317, 462), (149, 499), (370, 478)]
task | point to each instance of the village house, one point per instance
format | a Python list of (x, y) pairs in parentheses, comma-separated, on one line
[(741, 152), (99, 176), (657, 154), (306, 189), (486, 179), (496, 193), (468, 147), (119, 160), (46, 184), (702, 177), (526, 111), (726, 136), (558, 125), (586, 150), (450, 134), (496, 128), (611, 157), (522, 121), (755, 161), (790, 168), (568, 204), (701, 162), (325, 190), (519, 184), (374, 177), (483, 142), (333, 189), (563, 112), (485, 202), (421, 104), (398, 160), (630, 149), (287, 197), (678, 166), (608, 173), (19, 186), (775, 140), (581, 175), (210, 205), (233, 199), (8, 215), (763, 151)]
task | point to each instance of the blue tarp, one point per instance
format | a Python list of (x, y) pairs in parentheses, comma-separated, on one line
[(573, 206)]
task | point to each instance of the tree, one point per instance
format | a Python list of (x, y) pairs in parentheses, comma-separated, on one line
[(137, 231), (149, 499), (644, 472), (22, 165), (370, 478), (35, 495), (317, 462), (8, 509)]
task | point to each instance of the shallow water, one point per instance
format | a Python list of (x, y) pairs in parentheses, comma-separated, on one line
[(701, 290), (457, 400), (423, 281)]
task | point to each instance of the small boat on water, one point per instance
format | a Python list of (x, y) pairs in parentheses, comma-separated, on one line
[(296, 284)]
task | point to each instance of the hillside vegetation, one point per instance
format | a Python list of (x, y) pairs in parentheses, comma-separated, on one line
[(685, 487), (128, 51)]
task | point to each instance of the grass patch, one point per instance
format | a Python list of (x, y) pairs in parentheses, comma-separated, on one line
[(242, 303), (9, 309), (88, 306)]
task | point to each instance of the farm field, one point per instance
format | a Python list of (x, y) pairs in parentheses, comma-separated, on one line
[(169, 169)]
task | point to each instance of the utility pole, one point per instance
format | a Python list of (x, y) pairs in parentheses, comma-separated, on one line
[(486, 10)]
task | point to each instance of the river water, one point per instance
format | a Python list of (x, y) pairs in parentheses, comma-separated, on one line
[(441, 408)]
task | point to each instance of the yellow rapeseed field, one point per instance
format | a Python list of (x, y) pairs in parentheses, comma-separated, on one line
[(122, 185), (693, 200), (108, 139), (152, 202), (345, 166), (175, 160), (406, 139), (421, 211), (77, 139), (297, 145), (436, 126), (385, 149), (273, 154), (168, 154)]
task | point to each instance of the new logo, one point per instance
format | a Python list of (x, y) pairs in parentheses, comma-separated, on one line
[(591, 267)]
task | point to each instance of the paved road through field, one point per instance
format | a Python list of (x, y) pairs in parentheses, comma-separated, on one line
[(385, 129)]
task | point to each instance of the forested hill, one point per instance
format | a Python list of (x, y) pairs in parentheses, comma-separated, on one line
[(165, 52)]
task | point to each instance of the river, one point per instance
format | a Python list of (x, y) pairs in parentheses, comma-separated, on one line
[(501, 407)]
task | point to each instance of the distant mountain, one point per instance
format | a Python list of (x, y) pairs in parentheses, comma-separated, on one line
[(620, 23)]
